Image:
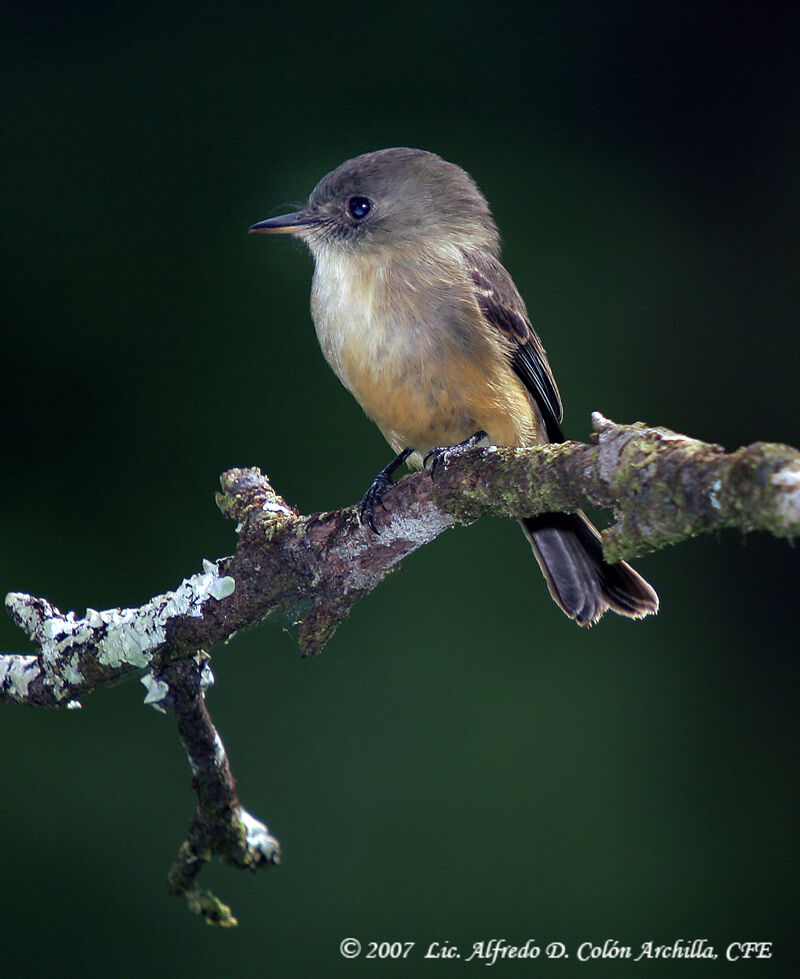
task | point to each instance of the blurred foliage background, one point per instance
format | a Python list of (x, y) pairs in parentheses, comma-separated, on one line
[(462, 763)]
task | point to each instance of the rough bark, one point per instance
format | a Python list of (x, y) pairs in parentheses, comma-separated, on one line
[(309, 571)]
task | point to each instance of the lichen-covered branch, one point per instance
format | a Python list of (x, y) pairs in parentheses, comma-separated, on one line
[(309, 571), (222, 827), (77, 655)]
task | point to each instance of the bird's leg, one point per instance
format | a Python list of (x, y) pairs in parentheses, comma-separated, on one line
[(374, 495), (442, 455)]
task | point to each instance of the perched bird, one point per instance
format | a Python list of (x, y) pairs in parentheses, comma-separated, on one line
[(425, 327)]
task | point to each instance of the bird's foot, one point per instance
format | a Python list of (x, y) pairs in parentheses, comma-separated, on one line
[(442, 456), (373, 498)]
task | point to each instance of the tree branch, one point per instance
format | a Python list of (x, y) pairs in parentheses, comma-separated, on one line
[(222, 826), (309, 571)]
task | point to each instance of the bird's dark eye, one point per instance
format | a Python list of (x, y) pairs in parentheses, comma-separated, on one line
[(359, 207)]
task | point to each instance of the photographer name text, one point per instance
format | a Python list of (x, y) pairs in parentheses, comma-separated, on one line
[(492, 951)]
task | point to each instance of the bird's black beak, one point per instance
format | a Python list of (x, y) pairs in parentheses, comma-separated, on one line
[(284, 224)]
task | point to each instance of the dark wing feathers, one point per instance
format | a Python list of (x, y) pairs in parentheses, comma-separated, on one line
[(504, 310)]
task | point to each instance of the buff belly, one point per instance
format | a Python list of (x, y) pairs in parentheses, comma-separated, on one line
[(423, 384)]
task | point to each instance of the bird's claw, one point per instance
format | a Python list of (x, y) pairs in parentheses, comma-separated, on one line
[(440, 456), (443, 455), (374, 495), (372, 499)]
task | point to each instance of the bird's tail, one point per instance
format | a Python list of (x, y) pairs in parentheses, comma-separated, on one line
[(567, 547)]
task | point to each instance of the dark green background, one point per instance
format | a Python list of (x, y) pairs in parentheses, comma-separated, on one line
[(462, 763)]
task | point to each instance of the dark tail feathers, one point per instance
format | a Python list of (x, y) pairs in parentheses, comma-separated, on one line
[(567, 547)]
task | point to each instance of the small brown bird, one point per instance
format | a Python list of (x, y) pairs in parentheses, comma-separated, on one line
[(424, 326)]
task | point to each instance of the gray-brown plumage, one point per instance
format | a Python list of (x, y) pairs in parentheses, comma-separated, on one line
[(424, 326)]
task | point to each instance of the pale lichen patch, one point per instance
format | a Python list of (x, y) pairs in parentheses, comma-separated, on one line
[(129, 641), (420, 526), (135, 634), (402, 534), (73, 674), (258, 837), (21, 609), (206, 675), (713, 494), (274, 506), (156, 689), (787, 502), (116, 637), (93, 618), (219, 750), (217, 587), (17, 673)]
